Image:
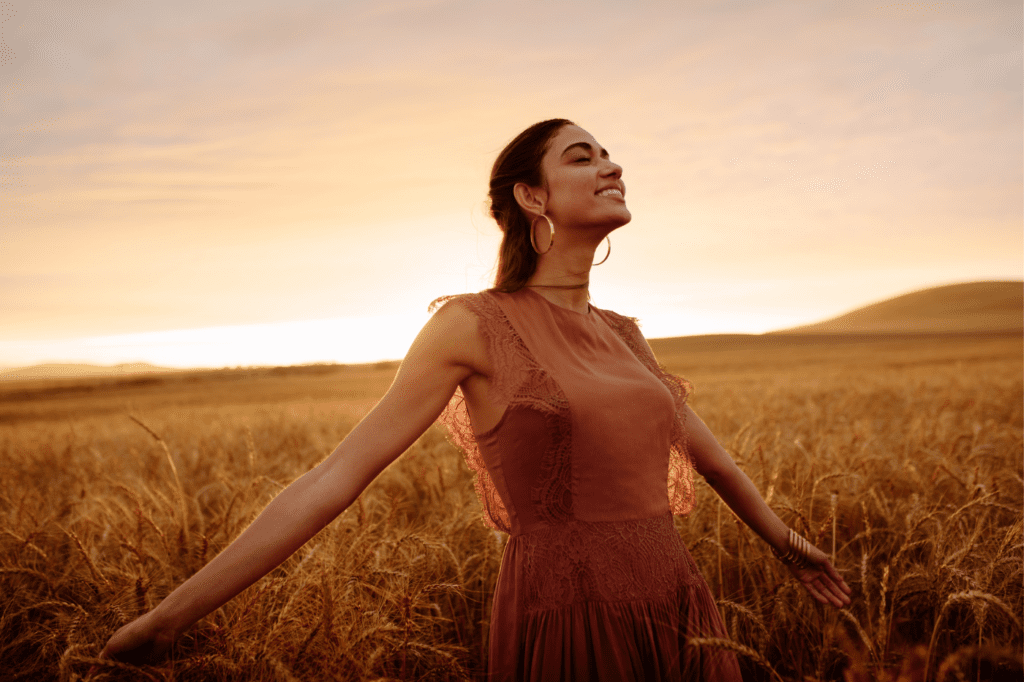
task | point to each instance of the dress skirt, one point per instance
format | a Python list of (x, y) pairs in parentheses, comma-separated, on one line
[(604, 601)]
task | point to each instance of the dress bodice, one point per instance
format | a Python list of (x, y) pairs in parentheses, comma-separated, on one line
[(590, 429)]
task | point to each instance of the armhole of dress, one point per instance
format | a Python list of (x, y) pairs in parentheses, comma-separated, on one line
[(499, 337), (455, 416), (518, 381), (680, 466)]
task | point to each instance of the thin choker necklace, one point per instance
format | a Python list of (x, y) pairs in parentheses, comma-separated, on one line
[(584, 285)]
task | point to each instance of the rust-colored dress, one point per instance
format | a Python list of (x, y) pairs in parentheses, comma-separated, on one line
[(584, 471)]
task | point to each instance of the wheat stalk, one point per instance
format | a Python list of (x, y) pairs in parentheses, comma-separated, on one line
[(965, 596), (28, 572), (174, 471), (735, 647), (860, 632)]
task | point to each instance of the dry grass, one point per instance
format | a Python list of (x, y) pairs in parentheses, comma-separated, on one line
[(902, 458)]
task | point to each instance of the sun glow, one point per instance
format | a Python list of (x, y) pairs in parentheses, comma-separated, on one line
[(342, 340)]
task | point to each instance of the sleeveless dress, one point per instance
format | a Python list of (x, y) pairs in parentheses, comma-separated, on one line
[(584, 470)]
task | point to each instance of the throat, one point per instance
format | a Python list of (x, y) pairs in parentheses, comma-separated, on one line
[(575, 298)]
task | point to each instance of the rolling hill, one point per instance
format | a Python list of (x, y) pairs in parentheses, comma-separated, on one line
[(955, 308), (966, 308), (78, 370)]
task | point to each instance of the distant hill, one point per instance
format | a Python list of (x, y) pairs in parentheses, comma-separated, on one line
[(955, 308), (74, 371), (971, 307)]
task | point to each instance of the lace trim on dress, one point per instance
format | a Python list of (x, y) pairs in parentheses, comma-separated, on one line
[(680, 464), (613, 561), (518, 381)]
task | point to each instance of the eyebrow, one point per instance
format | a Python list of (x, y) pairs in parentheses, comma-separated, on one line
[(586, 146)]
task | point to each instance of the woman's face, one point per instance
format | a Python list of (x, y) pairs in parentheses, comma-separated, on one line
[(584, 188)]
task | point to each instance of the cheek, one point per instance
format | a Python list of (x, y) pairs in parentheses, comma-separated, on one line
[(581, 189), (571, 189)]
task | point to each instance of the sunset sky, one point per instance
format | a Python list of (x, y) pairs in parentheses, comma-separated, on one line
[(286, 181)]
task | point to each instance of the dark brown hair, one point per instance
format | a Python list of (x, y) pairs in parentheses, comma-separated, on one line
[(518, 162)]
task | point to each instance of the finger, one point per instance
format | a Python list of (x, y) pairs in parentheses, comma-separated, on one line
[(829, 594), (816, 593), (836, 600), (838, 579), (820, 587), (838, 593)]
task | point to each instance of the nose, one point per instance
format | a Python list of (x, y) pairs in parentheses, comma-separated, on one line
[(612, 169)]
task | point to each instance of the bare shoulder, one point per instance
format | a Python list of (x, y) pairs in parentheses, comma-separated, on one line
[(453, 336)]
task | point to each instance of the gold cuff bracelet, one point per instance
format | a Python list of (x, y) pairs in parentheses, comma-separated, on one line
[(798, 553)]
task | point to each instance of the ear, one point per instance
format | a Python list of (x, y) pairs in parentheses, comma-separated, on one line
[(531, 199)]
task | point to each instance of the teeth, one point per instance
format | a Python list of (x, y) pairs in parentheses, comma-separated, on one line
[(610, 193)]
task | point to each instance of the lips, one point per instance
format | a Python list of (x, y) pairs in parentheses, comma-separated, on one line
[(611, 192)]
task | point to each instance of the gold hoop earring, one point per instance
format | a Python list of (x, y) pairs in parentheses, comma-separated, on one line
[(533, 242), (607, 254)]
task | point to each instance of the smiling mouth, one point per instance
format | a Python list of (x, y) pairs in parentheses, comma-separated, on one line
[(610, 192)]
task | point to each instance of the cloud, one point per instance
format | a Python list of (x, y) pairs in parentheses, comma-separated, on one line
[(184, 147)]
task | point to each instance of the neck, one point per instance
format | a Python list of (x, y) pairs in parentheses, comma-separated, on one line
[(562, 269)]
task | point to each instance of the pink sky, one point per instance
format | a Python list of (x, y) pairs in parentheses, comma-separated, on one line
[(174, 173)]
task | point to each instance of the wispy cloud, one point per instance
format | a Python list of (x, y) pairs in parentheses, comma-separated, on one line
[(201, 163)]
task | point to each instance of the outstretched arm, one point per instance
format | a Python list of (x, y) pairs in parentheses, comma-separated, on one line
[(739, 492), (442, 355)]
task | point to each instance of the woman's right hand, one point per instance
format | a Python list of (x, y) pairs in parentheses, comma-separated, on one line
[(144, 640)]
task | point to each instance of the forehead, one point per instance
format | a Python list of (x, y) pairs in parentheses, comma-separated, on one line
[(568, 136)]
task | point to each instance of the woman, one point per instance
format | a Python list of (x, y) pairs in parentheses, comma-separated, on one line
[(583, 449)]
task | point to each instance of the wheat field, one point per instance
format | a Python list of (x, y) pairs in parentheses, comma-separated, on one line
[(902, 458)]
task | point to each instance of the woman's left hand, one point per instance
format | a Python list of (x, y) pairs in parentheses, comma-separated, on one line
[(821, 579)]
